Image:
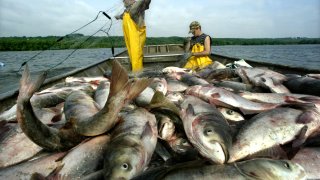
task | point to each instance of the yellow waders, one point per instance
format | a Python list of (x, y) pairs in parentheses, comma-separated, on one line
[(135, 38), (198, 62)]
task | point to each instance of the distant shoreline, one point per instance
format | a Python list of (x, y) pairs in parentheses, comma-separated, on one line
[(79, 41)]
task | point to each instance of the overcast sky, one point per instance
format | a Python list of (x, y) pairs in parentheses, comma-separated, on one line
[(219, 18)]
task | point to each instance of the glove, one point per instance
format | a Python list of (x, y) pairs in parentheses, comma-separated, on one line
[(187, 55), (118, 16)]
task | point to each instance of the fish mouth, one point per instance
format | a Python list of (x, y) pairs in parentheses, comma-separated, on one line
[(217, 152)]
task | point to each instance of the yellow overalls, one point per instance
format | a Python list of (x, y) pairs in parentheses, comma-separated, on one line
[(198, 62), (135, 37)]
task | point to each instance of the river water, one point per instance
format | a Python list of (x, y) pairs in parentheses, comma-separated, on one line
[(307, 56)]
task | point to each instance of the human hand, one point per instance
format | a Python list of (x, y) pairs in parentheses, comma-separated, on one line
[(187, 55), (119, 16)]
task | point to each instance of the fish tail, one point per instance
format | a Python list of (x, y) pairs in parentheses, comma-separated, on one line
[(137, 86), (119, 78), (29, 87), (119, 81)]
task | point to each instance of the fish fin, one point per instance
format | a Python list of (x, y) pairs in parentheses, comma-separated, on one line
[(29, 87), (215, 95), (160, 101), (301, 139), (55, 173), (275, 152), (190, 110), (137, 86), (147, 132), (119, 78), (306, 117)]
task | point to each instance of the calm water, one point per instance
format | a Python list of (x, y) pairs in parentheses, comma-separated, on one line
[(307, 56)]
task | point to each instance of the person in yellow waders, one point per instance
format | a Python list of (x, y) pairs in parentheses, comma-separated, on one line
[(198, 48), (134, 30)]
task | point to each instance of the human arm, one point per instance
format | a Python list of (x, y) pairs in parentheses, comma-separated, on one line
[(139, 6)]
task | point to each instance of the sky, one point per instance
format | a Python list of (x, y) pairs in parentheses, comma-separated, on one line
[(164, 18)]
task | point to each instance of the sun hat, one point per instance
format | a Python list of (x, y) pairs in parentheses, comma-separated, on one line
[(193, 26)]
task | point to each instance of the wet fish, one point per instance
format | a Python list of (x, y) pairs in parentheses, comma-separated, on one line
[(175, 97), (93, 81), (10, 114), (25, 170), (82, 160), (236, 86), (316, 76), (206, 129), (172, 69), (217, 74), (159, 84), (15, 146), (264, 78), (192, 79), (102, 93), (166, 127), (309, 159), (51, 139), (122, 90), (132, 144), (252, 169), (182, 148), (57, 94), (221, 97), (144, 98), (281, 98), (304, 85), (263, 134), (230, 114), (176, 86)]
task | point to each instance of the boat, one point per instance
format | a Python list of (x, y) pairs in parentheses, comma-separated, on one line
[(156, 57)]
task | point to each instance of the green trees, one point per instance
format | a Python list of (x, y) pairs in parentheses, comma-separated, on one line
[(75, 41)]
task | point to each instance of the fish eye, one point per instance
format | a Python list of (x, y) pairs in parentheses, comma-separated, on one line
[(230, 112), (184, 142), (125, 166), (208, 131), (286, 165)]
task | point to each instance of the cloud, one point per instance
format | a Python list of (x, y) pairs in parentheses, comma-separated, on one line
[(228, 18)]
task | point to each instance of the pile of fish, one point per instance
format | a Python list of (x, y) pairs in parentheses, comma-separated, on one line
[(226, 123)]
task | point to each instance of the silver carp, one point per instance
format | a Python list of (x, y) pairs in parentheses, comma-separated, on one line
[(51, 139), (267, 169), (176, 86), (24, 171), (309, 159), (102, 93), (15, 146), (206, 129), (230, 114), (225, 98), (83, 159), (264, 78), (263, 134), (132, 144), (122, 90)]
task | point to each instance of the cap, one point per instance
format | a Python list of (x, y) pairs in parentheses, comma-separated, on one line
[(193, 25)]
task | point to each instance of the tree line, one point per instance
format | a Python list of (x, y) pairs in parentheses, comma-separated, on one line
[(80, 41)]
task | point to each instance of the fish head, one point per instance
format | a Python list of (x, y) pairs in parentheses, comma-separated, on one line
[(271, 169), (230, 114), (211, 143), (175, 97), (181, 145), (123, 163), (166, 127), (159, 84)]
